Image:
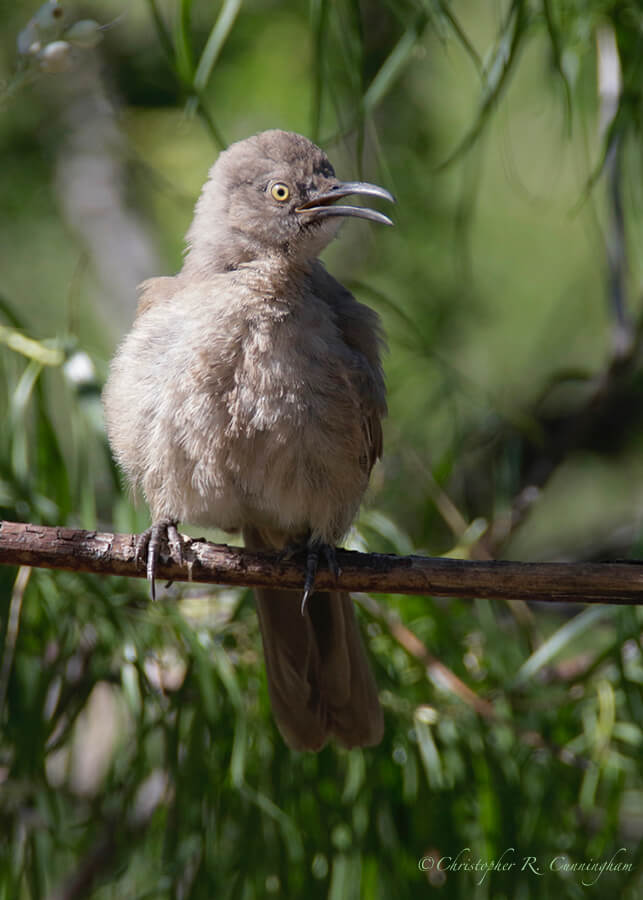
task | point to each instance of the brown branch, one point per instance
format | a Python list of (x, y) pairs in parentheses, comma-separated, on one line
[(113, 554)]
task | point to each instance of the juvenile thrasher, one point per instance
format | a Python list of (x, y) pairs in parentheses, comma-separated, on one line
[(248, 396)]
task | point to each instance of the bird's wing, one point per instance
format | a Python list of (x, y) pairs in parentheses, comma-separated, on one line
[(361, 330), (372, 430)]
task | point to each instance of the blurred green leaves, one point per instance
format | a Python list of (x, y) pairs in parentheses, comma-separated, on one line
[(194, 75)]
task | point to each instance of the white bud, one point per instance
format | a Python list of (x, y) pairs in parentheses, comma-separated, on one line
[(56, 57), (49, 18), (85, 33), (426, 714), (80, 369)]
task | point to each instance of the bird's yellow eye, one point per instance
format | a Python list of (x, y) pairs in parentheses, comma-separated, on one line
[(280, 191)]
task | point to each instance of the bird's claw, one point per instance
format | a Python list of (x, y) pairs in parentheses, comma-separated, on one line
[(312, 564), (148, 548)]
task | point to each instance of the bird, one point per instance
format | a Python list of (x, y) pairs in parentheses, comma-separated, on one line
[(249, 396)]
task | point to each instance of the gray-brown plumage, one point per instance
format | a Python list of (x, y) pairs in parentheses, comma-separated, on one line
[(248, 396)]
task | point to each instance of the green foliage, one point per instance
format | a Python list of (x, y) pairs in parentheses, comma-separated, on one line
[(138, 754)]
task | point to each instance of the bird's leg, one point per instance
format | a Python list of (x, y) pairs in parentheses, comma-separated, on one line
[(314, 548), (148, 547)]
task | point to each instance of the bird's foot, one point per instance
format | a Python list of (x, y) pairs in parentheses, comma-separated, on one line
[(314, 548), (148, 547)]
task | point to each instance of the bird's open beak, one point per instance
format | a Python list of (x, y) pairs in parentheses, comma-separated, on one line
[(323, 205)]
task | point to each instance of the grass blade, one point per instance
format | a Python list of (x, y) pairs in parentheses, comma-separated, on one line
[(32, 349), (560, 639), (394, 64), (182, 44), (214, 44), (496, 75)]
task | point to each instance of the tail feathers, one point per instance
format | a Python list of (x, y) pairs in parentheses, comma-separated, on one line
[(319, 678)]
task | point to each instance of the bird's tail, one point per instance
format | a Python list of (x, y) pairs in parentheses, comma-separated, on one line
[(320, 681)]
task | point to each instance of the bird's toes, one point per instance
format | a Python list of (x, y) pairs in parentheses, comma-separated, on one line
[(141, 545), (148, 547), (330, 555), (177, 542), (312, 563)]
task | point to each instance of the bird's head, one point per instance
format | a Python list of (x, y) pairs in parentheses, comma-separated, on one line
[(274, 193)]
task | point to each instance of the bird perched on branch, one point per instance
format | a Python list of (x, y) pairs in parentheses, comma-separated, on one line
[(248, 396)]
